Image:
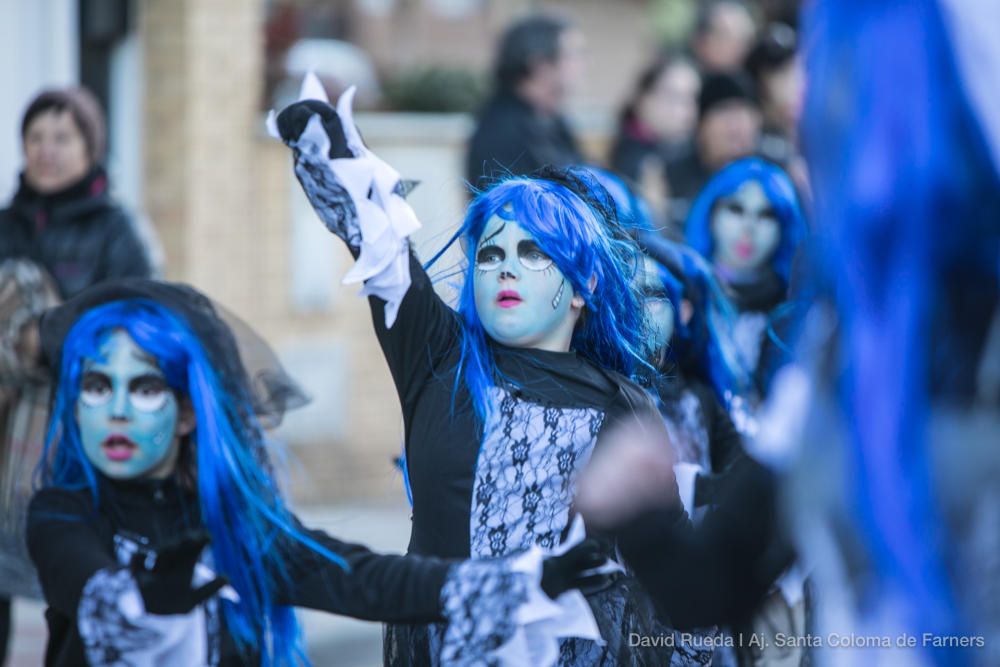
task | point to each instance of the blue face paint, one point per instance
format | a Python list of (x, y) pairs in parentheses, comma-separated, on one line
[(522, 298), (127, 413), (659, 310)]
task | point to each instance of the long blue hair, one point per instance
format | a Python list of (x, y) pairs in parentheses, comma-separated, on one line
[(779, 191), (703, 346), (907, 202), (241, 505), (571, 217)]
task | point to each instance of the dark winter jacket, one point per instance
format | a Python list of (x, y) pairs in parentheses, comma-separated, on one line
[(513, 138), (79, 235)]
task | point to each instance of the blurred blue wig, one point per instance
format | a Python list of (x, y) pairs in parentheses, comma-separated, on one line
[(907, 203), (632, 210), (779, 191), (241, 505), (571, 217), (703, 347)]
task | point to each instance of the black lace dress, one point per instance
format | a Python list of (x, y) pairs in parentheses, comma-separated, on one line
[(498, 488)]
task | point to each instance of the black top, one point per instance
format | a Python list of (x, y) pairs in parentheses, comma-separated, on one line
[(513, 138), (721, 571), (492, 489), (79, 235), (70, 542), (443, 447), (761, 294)]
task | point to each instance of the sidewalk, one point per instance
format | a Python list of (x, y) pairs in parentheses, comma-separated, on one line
[(330, 640)]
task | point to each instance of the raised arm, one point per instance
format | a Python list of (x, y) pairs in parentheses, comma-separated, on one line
[(360, 199)]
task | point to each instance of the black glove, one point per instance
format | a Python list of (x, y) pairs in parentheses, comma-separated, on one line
[(562, 573), (166, 587), (293, 119)]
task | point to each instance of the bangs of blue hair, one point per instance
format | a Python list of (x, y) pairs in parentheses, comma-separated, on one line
[(241, 505), (778, 189), (582, 236)]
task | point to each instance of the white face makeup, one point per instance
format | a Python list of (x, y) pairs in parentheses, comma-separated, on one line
[(745, 229), (522, 298), (659, 310), (127, 414)]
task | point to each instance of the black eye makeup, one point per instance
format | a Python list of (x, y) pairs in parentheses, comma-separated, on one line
[(489, 258), (148, 384), (95, 389), (532, 257), (734, 207), (768, 215), (654, 294)]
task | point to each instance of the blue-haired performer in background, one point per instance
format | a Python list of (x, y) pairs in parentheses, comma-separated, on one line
[(505, 397), (895, 399), (748, 223), (156, 451)]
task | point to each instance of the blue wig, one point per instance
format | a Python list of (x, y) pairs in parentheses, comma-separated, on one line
[(779, 191), (632, 210), (571, 217), (704, 346), (906, 197), (241, 505)]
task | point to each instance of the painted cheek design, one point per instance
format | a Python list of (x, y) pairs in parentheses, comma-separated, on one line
[(557, 299)]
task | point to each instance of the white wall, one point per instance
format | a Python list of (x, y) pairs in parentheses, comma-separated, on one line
[(38, 49)]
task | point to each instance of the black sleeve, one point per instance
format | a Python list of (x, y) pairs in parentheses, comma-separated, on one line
[(719, 571), (66, 545), (725, 448), (424, 332), (377, 587), (125, 255)]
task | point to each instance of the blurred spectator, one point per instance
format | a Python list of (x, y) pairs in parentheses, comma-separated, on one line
[(729, 128), (777, 72), (62, 216), (657, 121), (539, 61), (61, 224), (723, 34)]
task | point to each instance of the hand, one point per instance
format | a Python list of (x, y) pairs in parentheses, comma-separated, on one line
[(631, 471), (565, 572), (166, 586), (293, 119)]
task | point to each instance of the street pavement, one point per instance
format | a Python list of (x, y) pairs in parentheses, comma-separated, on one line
[(331, 641)]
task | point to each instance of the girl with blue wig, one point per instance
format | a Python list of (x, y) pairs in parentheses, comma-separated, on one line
[(698, 380), (507, 395), (157, 450), (748, 223)]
